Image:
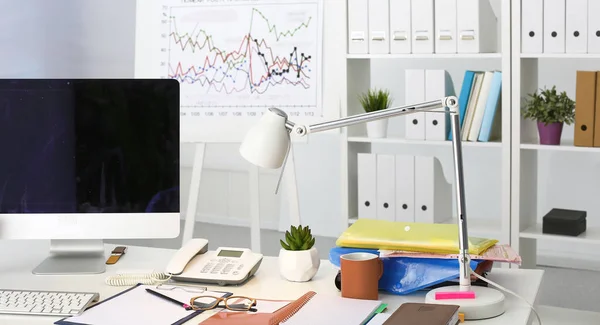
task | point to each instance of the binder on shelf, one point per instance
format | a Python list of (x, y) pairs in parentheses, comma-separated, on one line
[(491, 123), (445, 26), (379, 26), (597, 113), (437, 85), (400, 26), (476, 26), (532, 26), (479, 110), (386, 187), (554, 26), (433, 195), (576, 26), (463, 99), (358, 26), (585, 97), (367, 185), (422, 21), (414, 93), (405, 188), (593, 27)]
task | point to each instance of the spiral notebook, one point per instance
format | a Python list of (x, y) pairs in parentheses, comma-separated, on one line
[(310, 308)]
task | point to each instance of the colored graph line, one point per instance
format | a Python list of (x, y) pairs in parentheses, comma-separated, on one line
[(252, 66)]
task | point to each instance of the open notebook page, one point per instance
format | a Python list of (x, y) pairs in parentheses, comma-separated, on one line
[(331, 309)]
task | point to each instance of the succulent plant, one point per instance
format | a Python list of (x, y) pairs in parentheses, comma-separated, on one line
[(298, 239)]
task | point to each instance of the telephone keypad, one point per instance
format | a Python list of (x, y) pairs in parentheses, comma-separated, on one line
[(223, 266)]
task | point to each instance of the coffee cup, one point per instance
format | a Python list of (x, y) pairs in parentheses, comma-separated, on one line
[(360, 273)]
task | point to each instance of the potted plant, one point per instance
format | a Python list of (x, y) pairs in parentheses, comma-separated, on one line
[(376, 100), (298, 258), (551, 111)]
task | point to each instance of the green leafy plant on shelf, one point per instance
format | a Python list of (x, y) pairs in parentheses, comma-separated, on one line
[(375, 100), (298, 239), (549, 106)]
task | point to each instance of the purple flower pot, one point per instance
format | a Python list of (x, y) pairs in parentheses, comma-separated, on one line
[(550, 133)]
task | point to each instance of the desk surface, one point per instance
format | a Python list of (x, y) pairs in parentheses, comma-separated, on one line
[(20, 257)]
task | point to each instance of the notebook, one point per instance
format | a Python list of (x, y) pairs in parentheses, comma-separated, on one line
[(424, 314), (136, 306), (310, 308)]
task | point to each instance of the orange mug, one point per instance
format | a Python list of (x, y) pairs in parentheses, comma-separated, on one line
[(360, 273)]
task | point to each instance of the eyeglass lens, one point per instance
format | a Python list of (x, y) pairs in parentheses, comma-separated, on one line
[(232, 303)]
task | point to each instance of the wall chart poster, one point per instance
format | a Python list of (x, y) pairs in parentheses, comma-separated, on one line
[(233, 59)]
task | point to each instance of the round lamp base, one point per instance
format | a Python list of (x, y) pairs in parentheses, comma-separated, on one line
[(488, 302)]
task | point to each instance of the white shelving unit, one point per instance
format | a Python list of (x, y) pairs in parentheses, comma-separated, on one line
[(527, 155), (354, 139)]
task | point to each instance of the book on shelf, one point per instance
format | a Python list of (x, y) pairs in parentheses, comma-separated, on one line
[(480, 106)]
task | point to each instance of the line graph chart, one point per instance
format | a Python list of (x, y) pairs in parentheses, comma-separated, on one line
[(234, 58), (237, 58)]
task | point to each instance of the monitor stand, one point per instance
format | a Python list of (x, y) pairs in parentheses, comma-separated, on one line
[(73, 257)]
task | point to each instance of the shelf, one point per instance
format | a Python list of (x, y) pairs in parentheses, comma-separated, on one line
[(427, 56), (566, 145), (560, 56), (590, 236), (477, 227), (423, 142)]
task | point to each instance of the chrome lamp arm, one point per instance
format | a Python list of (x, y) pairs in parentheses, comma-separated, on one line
[(273, 156)]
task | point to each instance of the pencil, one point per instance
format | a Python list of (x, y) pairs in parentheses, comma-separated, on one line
[(160, 295)]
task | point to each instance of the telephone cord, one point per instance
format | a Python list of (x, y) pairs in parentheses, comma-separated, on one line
[(135, 278)]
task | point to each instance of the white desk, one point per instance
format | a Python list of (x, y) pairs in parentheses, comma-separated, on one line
[(18, 258)]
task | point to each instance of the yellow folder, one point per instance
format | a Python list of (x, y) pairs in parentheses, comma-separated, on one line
[(408, 236)]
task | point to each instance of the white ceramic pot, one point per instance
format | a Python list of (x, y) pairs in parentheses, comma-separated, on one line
[(299, 266), (377, 129)]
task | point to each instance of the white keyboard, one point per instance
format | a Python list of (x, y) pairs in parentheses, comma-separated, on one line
[(49, 303)]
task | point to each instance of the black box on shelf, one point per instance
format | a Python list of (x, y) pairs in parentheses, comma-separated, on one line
[(564, 222)]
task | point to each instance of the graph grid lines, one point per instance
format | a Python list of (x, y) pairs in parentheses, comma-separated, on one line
[(240, 58)]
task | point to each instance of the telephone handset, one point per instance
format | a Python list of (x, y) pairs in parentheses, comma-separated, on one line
[(195, 263), (184, 255)]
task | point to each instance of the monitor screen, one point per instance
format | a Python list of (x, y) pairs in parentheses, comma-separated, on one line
[(89, 146)]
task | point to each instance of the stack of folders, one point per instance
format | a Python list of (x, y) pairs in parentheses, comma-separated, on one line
[(479, 105), (587, 111), (560, 26), (421, 26)]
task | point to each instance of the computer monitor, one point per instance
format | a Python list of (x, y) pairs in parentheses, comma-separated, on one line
[(83, 160)]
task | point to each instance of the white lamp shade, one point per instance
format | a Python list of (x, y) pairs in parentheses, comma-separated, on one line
[(266, 143)]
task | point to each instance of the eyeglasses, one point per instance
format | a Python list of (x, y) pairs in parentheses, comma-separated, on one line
[(234, 303)]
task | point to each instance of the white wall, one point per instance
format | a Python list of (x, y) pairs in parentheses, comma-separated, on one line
[(92, 38), (95, 39)]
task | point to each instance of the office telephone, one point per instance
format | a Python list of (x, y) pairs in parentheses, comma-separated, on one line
[(195, 263)]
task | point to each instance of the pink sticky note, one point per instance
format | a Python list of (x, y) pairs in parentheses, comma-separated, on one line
[(455, 295)]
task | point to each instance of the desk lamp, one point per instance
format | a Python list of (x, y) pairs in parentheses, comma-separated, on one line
[(268, 142)]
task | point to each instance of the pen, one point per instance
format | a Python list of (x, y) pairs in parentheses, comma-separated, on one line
[(186, 306)]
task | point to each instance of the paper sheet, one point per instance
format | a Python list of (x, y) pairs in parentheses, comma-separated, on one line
[(333, 309), (497, 253), (139, 307), (379, 319)]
